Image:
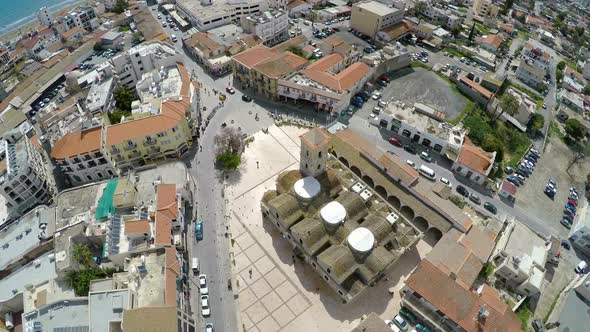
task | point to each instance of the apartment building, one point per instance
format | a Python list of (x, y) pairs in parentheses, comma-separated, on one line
[(474, 163), (209, 14), (443, 15), (485, 8), (534, 65), (327, 83), (82, 17), (80, 159), (23, 177), (271, 26), (260, 68), (44, 16), (370, 17), (526, 108), (144, 58)]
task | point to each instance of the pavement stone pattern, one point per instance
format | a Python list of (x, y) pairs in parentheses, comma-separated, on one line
[(268, 299)]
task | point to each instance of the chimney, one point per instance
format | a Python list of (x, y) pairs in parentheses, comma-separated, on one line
[(453, 276)]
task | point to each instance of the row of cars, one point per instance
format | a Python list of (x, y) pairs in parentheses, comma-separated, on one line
[(569, 210), (324, 32), (45, 99), (525, 169), (421, 56), (403, 322)]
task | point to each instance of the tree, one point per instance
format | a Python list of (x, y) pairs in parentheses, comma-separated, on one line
[(542, 86), (123, 99), (493, 144), (456, 30), (536, 123), (559, 75), (97, 46), (120, 6), (420, 7), (587, 89), (509, 104), (228, 145), (116, 115), (296, 50), (561, 65), (574, 129), (81, 253), (471, 33)]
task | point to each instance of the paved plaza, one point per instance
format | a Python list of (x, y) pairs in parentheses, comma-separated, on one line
[(277, 292)]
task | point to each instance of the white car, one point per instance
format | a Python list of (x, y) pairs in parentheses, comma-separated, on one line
[(209, 327), (203, 284), (372, 116), (400, 322), (411, 163), (205, 310), (382, 103), (376, 95), (446, 181), (392, 326)]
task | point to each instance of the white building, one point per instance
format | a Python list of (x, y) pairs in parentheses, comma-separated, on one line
[(422, 125), (100, 97), (131, 65), (520, 259), (44, 16), (526, 109), (23, 177), (209, 14), (587, 70), (370, 17), (437, 13), (534, 65), (474, 163), (78, 155), (271, 26)]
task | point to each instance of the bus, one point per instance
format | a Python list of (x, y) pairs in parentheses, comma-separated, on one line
[(427, 172)]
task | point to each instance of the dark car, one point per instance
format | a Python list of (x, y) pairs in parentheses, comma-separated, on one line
[(565, 244), (566, 223), (246, 98), (395, 142), (461, 190), (475, 199), (514, 180), (385, 78), (408, 315), (199, 231), (410, 149), (568, 218), (537, 325), (369, 49), (490, 207), (382, 83), (522, 172)]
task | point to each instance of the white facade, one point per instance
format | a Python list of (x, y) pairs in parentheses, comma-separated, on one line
[(534, 65), (299, 88), (141, 59), (44, 16), (209, 14), (24, 181), (271, 26)]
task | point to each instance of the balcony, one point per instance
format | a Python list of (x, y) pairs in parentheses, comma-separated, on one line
[(150, 142), (134, 154), (132, 146)]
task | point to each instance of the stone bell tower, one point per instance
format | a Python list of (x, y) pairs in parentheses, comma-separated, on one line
[(314, 152)]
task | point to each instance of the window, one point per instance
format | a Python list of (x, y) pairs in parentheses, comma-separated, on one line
[(406, 133), (99, 174), (307, 155), (320, 154), (89, 177), (305, 166), (148, 138), (329, 271), (318, 167)]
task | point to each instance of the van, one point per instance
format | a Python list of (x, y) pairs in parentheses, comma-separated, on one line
[(582, 267), (195, 265), (427, 172), (317, 50)]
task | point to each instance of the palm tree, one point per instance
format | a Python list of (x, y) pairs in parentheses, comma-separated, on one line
[(71, 278), (81, 253), (509, 104)]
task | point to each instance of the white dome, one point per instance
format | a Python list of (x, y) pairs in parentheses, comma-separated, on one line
[(307, 188), (333, 213), (361, 240)]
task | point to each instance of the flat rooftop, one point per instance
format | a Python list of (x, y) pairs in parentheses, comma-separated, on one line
[(159, 84), (37, 272), (408, 114), (65, 315), (99, 94), (72, 205), (376, 8), (107, 307), (20, 236), (204, 13), (304, 81), (524, 241), (150, 291)]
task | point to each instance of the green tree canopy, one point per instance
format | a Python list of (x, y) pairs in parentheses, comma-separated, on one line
[(587, 89), (536, 123), (509, 104), (123, 99), (81, 253), (561, 65), (296, 50), (116, 115), (120, 6), (574, 129)]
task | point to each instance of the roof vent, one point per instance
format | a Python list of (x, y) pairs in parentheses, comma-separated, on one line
[(361, 240), (333, 214)]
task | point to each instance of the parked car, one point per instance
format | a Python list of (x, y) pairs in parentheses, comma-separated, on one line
[(408, 315), (203, 289), (411, 163), (199, 231), (474, 198), (566, 223), (395, 142), (382, 83), (421, 328), (514, 180), (565, 244), (461, 190), (425, 156), (568, 217), (570, 207), (230, 90), (381, 103), (385, 78), (410, 149), (400, 322), (446, 181), (205, 310), (508, 170), (569, 212), (582, 267), (490, 207), (537, 325), (209, 327), (246, 98)]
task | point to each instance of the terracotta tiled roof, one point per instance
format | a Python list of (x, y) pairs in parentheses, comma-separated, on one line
[(459, 303), (493, 40), (172, 273), (507, 27), (77, 143), (509, 187), (280, 65), (251, 57), (137, 227), (171, 113), (399, 29), (480, 242), (296, 3), (340, 82), (475, 158), (315, 137), (203, 41), (35, 141), (398, 168), (71, 32), (29, 43), (166, 212), (477, 87), (2, 166)]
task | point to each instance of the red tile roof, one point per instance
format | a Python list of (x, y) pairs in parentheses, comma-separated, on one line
[(509, 187), (340, 82), (475, 158), (172, 273), (483, 91), (166, 212), (459, 303), (252, 56), (137, 227), (77, 143), (494, 40), (280, 65)]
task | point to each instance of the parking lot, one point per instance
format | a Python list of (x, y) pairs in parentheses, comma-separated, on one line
[(407, 86), (531, 197), (440, 58)]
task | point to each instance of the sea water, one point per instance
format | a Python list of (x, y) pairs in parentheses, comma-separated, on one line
[(15, 13)]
